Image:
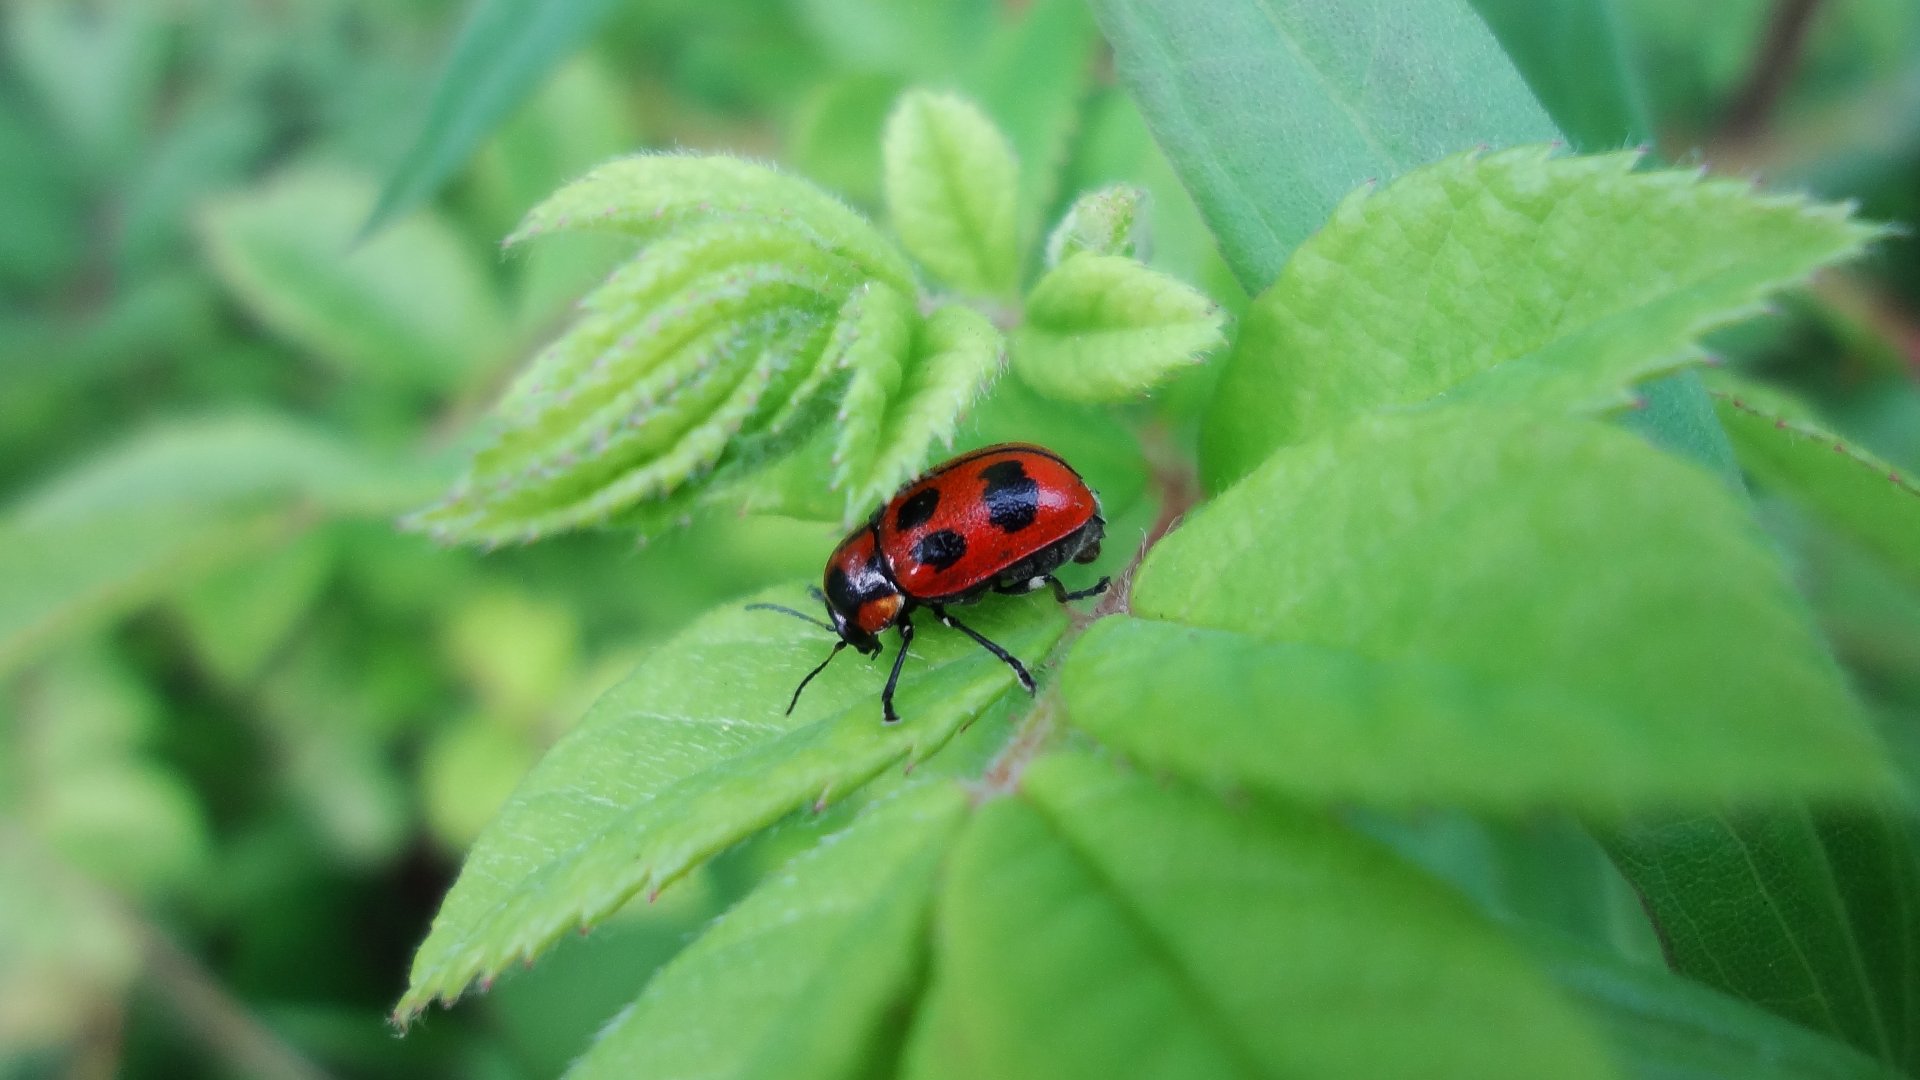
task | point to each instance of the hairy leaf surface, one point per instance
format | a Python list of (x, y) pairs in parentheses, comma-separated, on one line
[(951, 187), (1105, 328)]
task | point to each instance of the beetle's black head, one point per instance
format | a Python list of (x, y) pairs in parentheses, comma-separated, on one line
[(861, 598)]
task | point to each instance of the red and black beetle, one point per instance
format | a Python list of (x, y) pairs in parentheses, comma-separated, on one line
[(1002, 518)]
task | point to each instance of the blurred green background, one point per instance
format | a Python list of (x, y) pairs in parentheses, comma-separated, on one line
[(247, 727)]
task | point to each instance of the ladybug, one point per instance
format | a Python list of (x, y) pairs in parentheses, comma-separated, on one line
[(999, 519)]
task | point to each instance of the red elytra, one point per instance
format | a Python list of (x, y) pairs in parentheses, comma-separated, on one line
[(1002, 519)]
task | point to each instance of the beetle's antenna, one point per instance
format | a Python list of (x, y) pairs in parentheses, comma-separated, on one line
[(814, 591), (837, 646), (801, 615)]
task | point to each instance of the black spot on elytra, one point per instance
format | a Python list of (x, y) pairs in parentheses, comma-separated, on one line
[(918, 510), (940, 549), (1012, 497)]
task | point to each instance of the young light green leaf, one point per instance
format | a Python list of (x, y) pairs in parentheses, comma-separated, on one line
[(956, 353), (1660, 1025), (1100, 925), (1810, 914), (1479, 277), (873, 341), (803, 978), (505, 48), (1111, 221), (1466, 548), (651, 195), (689, 755), (950, 184), (1273, 110), (412, 306), (1784, 446), (709, 337), (1104, 328)]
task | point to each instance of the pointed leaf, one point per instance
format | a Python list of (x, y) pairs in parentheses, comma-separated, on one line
[(1478, 277), (1104, 328), (950, 187), (689, 755), (1100, 925), (1814, 915), (704, 339), (1105, 222), (1470, 553), (955, 354), (412, 306), (1784, 447), (1272, 111), (505, 48), (873, 341), (651, 195), (804, 978)]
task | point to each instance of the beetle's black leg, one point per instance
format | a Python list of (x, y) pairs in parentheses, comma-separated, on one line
[(1007, 658), (1060, 591), (887, 715)]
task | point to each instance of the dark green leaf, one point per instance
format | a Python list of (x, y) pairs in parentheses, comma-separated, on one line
[(1663, 1027), (1813, 914)]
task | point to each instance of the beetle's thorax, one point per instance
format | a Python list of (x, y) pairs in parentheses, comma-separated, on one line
[(862, 598)]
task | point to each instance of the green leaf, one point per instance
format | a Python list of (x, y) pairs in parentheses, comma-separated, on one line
[(1104, 328), (1110, 221), (951, 188), (874, 341), (1477, 277), (1663, 1027), (504, 50), (1573, 57), (1100, 925), (1783, 446), (689, 755), (1487, 609), (651, 195), (804, 977), (1810, 914), (956, 353), (1273, 110), (412, 306), (714, 336)]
